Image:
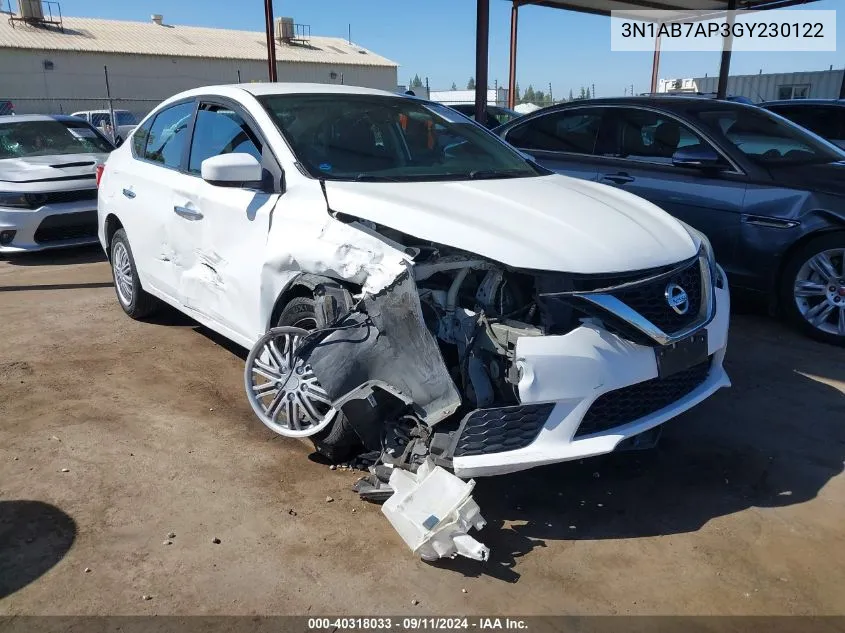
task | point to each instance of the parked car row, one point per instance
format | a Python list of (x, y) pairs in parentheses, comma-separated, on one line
[(405, 278)]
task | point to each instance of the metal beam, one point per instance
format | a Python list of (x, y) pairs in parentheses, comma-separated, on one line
[(512, 69), (655, 64), (482, 42), (725, 65), (271, 40)]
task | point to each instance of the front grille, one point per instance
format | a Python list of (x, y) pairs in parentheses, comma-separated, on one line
[(61, 197), (67, 226), (649, 299), (486, 431), (628, 404)]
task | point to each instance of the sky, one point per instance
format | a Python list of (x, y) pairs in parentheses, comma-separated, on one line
[(436, 39)]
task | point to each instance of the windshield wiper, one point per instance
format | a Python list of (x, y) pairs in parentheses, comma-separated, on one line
[(480, 174), (374, 178)]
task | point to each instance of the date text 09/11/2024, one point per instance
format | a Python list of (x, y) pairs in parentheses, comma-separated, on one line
[(416, 623)]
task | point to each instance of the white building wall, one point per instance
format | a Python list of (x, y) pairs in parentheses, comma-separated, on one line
[(824, 84), (138, 82), (494, 97)]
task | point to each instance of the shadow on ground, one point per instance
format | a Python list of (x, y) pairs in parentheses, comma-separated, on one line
[(59, 256), (34, 537)]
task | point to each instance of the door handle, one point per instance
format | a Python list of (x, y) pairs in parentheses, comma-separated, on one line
[(620, 179), (129, 193), (188, 214)]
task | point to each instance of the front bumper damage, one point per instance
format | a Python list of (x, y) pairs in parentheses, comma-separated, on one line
[(585, 392)]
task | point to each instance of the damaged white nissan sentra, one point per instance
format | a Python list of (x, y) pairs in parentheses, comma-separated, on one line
[(410, 284)]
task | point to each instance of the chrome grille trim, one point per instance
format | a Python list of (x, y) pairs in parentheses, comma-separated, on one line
[(706, 312)]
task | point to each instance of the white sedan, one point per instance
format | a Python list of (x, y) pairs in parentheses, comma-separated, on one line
[(407, 282)]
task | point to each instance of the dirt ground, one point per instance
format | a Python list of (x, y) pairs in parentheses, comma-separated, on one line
[(114, 434)]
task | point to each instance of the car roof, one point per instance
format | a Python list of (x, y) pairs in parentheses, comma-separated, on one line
[(667, 102), (805, 102), (261, 89), (28, 118), (100, 111)]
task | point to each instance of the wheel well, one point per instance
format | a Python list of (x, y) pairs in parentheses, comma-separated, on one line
[(790, 253), (303, 286), (112, 226)]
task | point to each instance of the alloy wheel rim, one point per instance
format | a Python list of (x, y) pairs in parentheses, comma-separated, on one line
[(122, 269), (819, 291), (282, 389)]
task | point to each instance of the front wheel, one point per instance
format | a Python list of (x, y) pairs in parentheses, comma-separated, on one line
[(336, 440), (813, 288)]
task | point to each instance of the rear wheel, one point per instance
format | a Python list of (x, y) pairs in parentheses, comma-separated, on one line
[(338, 439), (132, 298), (813, 288)]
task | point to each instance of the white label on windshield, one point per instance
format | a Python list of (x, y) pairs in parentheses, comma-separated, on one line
[(82, 132)]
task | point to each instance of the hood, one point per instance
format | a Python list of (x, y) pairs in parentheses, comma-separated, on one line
[(47, 168), (827, 178), (543, 223)]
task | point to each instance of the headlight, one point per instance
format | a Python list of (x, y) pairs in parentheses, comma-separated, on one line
[(14, 200), (715, 275)]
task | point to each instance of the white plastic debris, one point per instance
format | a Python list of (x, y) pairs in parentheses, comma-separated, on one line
[(433, 512)]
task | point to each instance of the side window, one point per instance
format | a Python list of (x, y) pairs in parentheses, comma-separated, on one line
[(168, 135), (219, 130), (567, 131), (826, 122), (139, 138), (652, 137)]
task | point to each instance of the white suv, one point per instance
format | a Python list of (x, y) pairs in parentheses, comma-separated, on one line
[(409, 283)]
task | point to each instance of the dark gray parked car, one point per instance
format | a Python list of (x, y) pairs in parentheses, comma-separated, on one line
[(768, 194), (825, 117)]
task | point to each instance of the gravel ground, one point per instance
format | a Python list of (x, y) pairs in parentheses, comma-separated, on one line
[(134, 479)]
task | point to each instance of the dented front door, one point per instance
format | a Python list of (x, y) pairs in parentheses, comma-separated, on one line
[(224, 283), (226, 227)]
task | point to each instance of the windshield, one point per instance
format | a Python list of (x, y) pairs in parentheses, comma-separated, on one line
[(45, 138), (373, 138), (767, 139)]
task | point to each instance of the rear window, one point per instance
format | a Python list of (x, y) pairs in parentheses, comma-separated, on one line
[(47, 138)]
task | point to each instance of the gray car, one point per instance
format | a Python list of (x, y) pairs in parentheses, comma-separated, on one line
[(48, 189), (769, 194)]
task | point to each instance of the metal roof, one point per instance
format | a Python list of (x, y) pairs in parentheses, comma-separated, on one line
[(682, 7), (148, 38)]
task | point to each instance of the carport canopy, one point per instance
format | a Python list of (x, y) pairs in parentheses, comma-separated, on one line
[(635, 8)]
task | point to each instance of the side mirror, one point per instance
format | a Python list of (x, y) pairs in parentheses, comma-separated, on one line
[(232, 170), (696, 156)]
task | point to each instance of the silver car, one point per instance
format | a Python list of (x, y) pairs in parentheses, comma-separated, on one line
[(48, 189)]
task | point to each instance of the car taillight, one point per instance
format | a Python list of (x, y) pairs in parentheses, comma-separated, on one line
[(100, 168)]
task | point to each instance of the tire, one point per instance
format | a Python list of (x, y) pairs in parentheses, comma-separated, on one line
[(339, 440), (804, 267), (135, 302)]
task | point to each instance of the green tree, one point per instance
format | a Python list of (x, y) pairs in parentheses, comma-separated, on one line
[(516, 94), (529, 96), (471, 84), (583, 94), (454, 86), (539, 97), (570, 95), (588, 93), (416, 82)]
